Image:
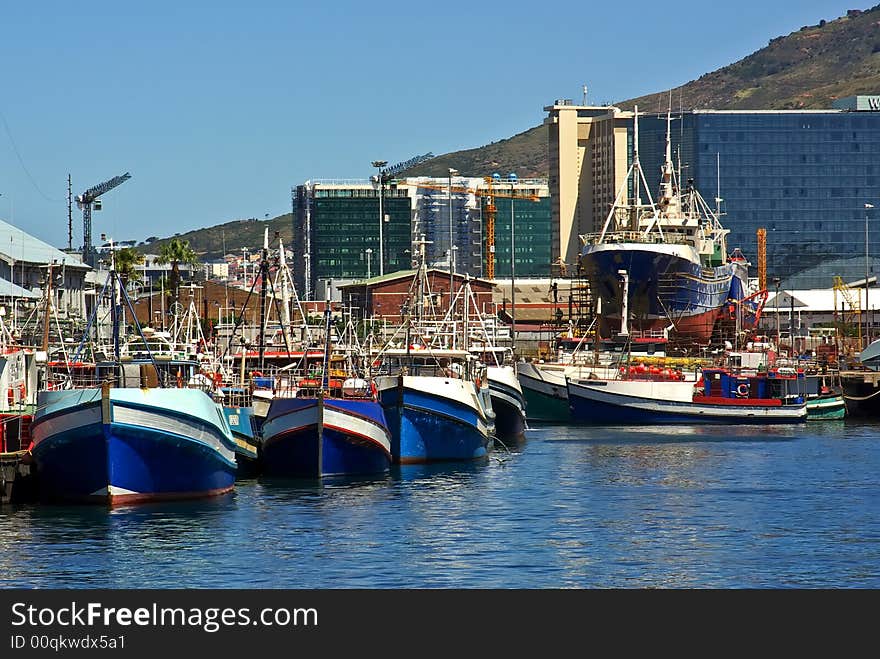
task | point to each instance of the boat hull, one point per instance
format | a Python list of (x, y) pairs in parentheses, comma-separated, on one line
[(545, 394), (507, 402), (610, 403), (826, 408), (311, 437), (247, 447), (131, 446), (664, 287), (434, 419)]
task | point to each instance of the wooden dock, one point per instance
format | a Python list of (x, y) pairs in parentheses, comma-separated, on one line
[(16, 477)]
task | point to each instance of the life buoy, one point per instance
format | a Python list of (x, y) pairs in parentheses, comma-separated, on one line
[(11, 396), (374, 389), (478, 382), (742, 390)]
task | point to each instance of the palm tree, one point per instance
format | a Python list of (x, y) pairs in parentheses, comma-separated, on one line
[(175, 252), (127, 260)]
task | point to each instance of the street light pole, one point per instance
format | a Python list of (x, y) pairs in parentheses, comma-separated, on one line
[(776, 281), (452, 172), (512, 178), (380, 179), (369, 253), (867, 326)]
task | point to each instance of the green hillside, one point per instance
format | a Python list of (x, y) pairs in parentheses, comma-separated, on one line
[(209, 243)]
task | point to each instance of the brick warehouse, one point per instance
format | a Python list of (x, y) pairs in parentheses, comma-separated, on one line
[(383, 297)]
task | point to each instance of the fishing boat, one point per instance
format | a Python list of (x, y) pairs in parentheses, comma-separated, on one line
[(464, 325), (129, 430), (505, 391), (718, 396), (129, 443), (438, 404), (827, 405), (437, 400), (544, 383), (325, 420), (665, 266)]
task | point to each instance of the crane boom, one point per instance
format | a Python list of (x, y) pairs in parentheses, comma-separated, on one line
[(96, 191), (85, 202)]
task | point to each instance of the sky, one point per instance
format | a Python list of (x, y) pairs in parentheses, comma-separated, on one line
[(218, 109)]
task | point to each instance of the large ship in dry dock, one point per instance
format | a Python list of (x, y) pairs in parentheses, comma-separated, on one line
[(664, 266)]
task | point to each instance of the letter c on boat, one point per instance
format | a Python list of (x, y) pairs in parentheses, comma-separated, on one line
[(742, 390)]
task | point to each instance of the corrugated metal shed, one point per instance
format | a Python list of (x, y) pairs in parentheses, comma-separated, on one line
[(16, 245), (818, 300)]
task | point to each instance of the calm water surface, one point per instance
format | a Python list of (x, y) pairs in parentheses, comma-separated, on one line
[(570, 507)]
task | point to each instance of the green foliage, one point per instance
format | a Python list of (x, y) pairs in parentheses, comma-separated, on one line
[(127, 261)]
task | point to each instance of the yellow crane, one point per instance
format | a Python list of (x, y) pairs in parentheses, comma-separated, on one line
[(762, 258), (491, 194), (855, 306)]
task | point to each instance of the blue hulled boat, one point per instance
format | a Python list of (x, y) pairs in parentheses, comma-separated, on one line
[(118, 445), (316, 435), (438, 405), (325, 420), (664, 266), (138, 427), (719, 396)]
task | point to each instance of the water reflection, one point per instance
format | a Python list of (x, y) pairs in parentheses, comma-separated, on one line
[(571, 507)]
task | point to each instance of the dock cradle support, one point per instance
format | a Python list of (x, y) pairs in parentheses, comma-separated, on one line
[(16, 477)]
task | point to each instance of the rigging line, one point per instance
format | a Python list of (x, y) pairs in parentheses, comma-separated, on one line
[(23, 166)]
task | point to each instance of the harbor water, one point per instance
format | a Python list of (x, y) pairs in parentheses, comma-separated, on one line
[(569, 507)]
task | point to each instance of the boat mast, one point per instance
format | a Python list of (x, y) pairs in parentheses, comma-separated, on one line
[(264, 272), (285, 296)]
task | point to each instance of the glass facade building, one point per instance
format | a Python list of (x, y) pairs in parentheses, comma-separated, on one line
[(804, 176), (336, 222), (531, 238)]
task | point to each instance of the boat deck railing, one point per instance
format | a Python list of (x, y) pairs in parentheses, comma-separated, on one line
[(652, 238)]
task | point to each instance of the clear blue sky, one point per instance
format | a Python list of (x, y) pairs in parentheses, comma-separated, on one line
[(217, 109)]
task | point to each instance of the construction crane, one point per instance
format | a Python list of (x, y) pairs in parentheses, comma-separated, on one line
[(762, 258), (86, 201), (389, 172), (855, 307), (491, 194)]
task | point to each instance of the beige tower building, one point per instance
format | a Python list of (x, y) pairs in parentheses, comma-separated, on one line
[(589, 158)]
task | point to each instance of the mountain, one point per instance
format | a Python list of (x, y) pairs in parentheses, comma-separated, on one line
[(803, 70), (213, 242)]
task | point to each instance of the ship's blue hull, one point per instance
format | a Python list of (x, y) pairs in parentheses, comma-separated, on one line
[(305, 438), (662, 287), (429, 427), (134, 453)]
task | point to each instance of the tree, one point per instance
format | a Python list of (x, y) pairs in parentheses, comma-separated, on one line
[(175, 252), (127, 260)]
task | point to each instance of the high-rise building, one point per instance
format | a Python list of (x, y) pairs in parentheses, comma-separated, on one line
[(808, 177)]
